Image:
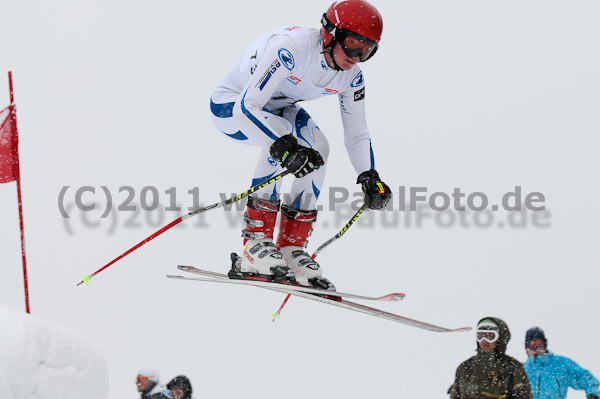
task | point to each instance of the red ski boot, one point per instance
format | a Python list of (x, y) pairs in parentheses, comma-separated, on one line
[(260, 258), (294, 228)]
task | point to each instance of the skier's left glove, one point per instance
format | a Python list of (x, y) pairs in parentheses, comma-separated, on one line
[(377, 193), (299, 160), (593, 396)]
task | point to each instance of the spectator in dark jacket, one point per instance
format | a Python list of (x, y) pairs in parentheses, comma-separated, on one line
[(148, 386), (552, 375), (180, 387), (491, 373)]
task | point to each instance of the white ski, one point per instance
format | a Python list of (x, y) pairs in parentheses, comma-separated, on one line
[(222, 278)]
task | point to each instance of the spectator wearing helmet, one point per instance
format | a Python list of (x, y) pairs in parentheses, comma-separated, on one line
[(491, 373), (552, 375), (257, 103), (148, 385), (180, 387)]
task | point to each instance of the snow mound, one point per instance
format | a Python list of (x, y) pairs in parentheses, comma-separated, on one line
[(39, 359)]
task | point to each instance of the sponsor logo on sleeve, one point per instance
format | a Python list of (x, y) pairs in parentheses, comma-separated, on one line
[(358, 80), (268, 73), (329, 91), (294, 79), (286, 58), (291, 28), (359, 94)]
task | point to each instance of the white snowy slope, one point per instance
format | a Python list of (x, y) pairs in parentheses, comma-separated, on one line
[(477, 95), (41, 360)]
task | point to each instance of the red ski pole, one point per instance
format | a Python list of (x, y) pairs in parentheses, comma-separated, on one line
[(235, 198)]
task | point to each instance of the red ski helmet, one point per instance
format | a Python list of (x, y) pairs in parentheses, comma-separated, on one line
[(355, 19)]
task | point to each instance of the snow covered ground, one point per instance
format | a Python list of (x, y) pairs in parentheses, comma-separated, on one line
[(39, 359), (481, 96)]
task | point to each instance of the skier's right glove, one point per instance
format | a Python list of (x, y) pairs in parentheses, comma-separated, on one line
[(299, 160), (377, 193)]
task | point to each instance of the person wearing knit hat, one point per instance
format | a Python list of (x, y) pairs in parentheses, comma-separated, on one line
[(535, 341), (552, 375), (491, 373), (180, 387), (148, 384)]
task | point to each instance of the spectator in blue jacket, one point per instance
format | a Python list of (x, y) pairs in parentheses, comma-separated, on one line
[(551, 375)]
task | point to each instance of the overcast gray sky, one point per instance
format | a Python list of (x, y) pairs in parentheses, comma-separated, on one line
[(481, 96)]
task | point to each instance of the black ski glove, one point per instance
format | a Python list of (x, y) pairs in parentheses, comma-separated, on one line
[(299, 160), (593, 396), (377, 193)]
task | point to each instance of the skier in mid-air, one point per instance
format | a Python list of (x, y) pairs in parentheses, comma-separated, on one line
[(256, 104)]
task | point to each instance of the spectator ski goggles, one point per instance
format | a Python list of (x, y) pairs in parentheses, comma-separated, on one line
[(490, 336), (536, 344)]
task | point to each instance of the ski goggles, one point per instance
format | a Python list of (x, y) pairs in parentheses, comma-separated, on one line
[(536, 344), (355, 45), (490, 336)]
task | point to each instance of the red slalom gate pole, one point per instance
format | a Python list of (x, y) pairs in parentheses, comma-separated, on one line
[(15, 143)]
